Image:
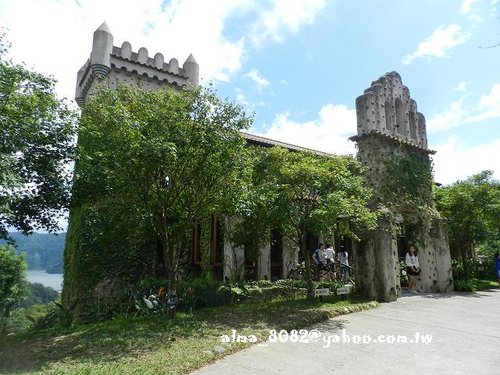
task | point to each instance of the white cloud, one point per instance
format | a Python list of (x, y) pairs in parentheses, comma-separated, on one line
[(59, 36), (467, 6), (472, 12), (285, 16), (328, 133), (489, 105), (56, 35), (462, 87), (453, 116), (242, 100), (438, 44), (453, 161), (456, 114), (255, 76)]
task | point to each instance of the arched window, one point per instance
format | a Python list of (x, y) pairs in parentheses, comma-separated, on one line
[(413, 126), (388, 117), (400, 117)]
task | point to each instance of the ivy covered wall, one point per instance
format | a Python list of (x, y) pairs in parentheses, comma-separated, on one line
[(402, 180), (104, 260)]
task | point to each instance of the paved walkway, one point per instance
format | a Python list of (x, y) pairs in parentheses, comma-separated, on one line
[(465, 331)]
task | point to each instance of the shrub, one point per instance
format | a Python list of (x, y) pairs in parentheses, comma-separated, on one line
[(465, 285), (402, 273), (39, 294), (202, 293)]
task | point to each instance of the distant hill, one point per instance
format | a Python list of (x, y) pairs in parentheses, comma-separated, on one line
[(43, 251)]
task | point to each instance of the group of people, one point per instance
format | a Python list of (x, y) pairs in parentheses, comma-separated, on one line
[(324, 257)]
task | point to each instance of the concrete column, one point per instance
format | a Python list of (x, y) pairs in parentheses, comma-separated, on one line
[(443, 258), (234, 257), (264, 263), (290, 256), (377, 267), (234, 261)]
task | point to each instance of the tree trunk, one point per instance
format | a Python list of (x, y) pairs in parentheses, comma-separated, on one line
[(307, 261), (170, 255)]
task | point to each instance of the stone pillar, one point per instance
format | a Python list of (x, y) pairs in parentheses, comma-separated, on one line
[(442, 268), (377, 265), (234, 257), (264, 263), (234, 262)]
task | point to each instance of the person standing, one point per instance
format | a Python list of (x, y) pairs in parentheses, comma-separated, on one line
[(497, 267), (319, 256), (329, 256), (344, 264), (319, 259), (412, 268)]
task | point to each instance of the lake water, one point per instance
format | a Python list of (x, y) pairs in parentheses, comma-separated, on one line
[(54, 280)]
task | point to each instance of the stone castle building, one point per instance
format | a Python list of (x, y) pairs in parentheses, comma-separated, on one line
[(389, 130)]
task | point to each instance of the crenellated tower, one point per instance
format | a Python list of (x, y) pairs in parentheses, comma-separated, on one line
[(94, 239), (115, 65), (392, 144), (386, 108)]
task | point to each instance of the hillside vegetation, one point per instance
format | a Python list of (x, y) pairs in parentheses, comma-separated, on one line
[(44, 251)]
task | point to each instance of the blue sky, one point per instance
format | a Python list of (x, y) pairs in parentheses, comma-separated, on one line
[(299, 65)]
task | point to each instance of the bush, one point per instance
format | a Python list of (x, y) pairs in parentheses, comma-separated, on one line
[(208, 293), (403, 274), (465, 285), (151, 297), (198, 292), (19, 321), (39, 294), (464, 270), (40, 316)]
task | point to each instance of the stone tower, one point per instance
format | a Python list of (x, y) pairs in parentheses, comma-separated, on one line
[(115, 65), (392, 144), (92, 241)]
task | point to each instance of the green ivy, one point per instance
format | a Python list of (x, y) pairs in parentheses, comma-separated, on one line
[(402, 180)]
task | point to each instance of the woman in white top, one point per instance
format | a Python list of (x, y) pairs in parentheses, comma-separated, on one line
[(412, 267)]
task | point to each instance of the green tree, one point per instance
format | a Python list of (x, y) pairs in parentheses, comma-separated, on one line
[(471, 212), (37, 134), (38, 294), (300, 193), (159, 159), (12, 282)]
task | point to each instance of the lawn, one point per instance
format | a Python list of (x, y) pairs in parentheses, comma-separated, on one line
[(153, 344), (475, 284)]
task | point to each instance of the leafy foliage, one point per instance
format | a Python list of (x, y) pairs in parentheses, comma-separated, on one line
[(149, 162), (300, 193), (43, 251), (471, 212), (35, 148), (411, 179), (12, 282), (38, 295)]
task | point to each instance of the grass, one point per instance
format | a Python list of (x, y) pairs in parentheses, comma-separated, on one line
[(485, 284), (152, 345), (474, 284), (481, 284)]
